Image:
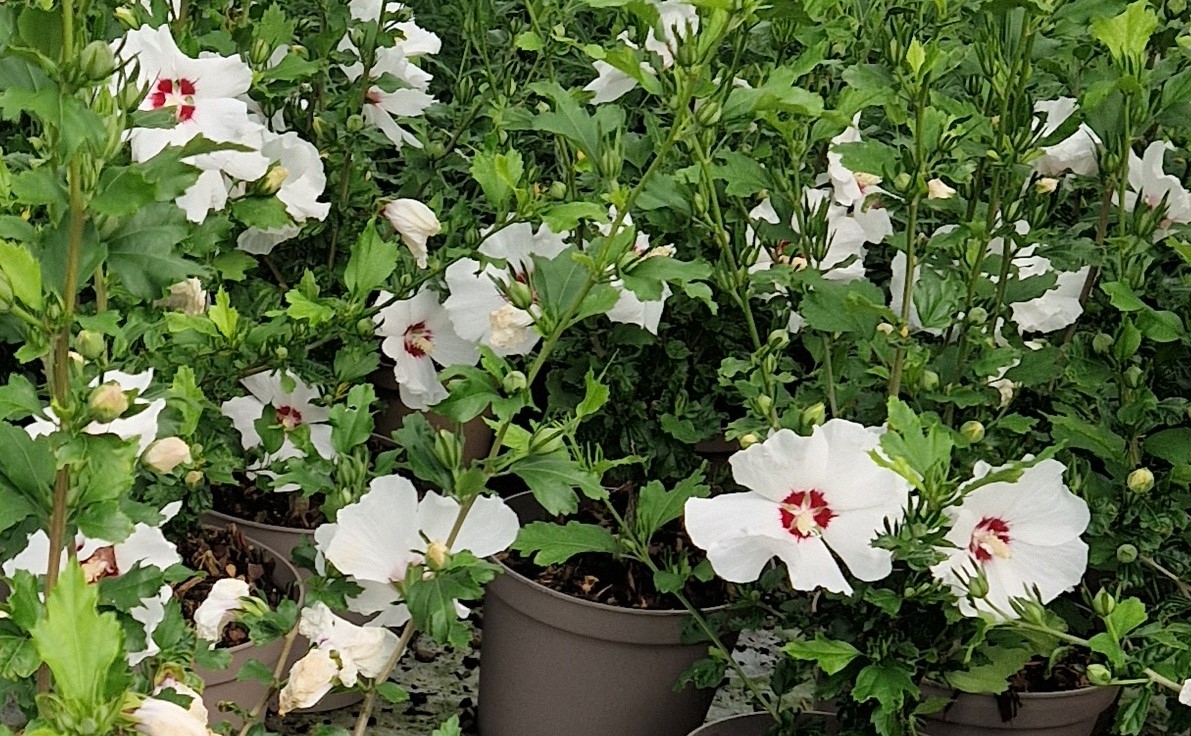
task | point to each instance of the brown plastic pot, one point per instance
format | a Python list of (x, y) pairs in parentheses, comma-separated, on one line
[(551, 664), (1070, 713), (283, 540), (477, 436), (222, 685), (757, 724)]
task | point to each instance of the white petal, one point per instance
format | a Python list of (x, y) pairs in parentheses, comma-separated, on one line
[(376, 535)]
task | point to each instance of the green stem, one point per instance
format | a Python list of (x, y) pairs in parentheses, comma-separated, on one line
[(259, 709), (407, 634), (899, 359), (1162, 680), (828, 347)]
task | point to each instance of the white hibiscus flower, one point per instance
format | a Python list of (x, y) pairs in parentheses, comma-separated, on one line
[(1019, 536), (378, 538), (630, 308), (219, 608), (1076, 153), (161, 717), (678, 19), (1151, 185), (141, 426), (300, 181), (849, 188), (809, 497), (291, 408), (418, 333)]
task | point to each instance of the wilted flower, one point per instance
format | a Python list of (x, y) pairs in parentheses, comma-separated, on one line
[(418, 333), (938, 189), (188, 297), (311, 678), (378, 538), (808, 497), (415, 222), (220, 607), (1019, 536), (160, 717), (166, 454)]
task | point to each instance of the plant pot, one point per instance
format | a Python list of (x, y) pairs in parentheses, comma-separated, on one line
[(222, 685), (282, 540), (551, 664), (477, 436), (757, 724), (717, 448), (1070, 713)]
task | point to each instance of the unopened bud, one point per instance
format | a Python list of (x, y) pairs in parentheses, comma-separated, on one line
[(813, 415), (438, 555), (166, 454), (260, 53), (929, 381), (436, 149), (96, 61), (281, 352), (1103, 603), (763, 404), (126, 17), (972, 431), (938, 189), (519, 295), (978, 315), (709, 113), (89, 344), (778, 339), (1046, 185), (365, 327), (1099, 675), (885, 328), (194, 479), (1140, 480), (1133, 376), (749, 440), (978, 587), (355, 123), (513, 382), (107, 402), (271, 182), (1102, 342), (1127, 553), (558, 190), (902, 182)]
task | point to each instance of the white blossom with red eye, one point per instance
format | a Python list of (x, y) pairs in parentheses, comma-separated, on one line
[(1149, 183), (290, 409), (1021, 536), (418, 334), (809, 498)]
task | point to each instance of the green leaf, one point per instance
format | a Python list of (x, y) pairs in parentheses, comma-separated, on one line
[(568, 119), (657, 507), (392, 692), (450, 727), (78, 643), (351, 423), (1132, 715), (18, 654), (779, 93), (554, 544), (991, 678), (40, 186), (23, 272), (498, 174), (224, 315), (831, 655), (372, 262), (568, 216), (431, 600), (19, 399), (744, 175), (1076, 432), (594, 398), (1127, 616), (142, 254), (27, 463), (553, 479), (255, 671), (871, 157), (1160, 326), (1127, 34), (1171, 445), (233, 265), (123, 190), (887, 682), (266, 213), (303, 308), (1122, 297)]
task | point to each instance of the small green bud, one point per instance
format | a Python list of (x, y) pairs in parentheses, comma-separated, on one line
[(260, 53), (513, 382), (763, 404), (610, 163), (1133, 376), (1103, 604), (355, 123), (700, 204), (126, 17), (89, 344), (271, 182), (1099, 675), (96, 61), (438, 555), (1140, 480), (436, 149), (778, 339), (902, 182), (1102, 343), (978, 587), (1126, 553), (558, 190), (978, 315), (709, 113), (813, 415), (749, 440), (519, 294), (546, 439), (107, 402), (365, 327), (281, 352), (930, 380), (972, 430)]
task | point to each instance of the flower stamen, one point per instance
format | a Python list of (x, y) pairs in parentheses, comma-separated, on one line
[(990, 539), (805, 514)]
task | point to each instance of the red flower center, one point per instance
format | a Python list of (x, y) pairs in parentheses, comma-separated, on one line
[(288, 417), (419, 340), (176, 93), (373, 96), (101, 564), (990, 539), (805, 514)]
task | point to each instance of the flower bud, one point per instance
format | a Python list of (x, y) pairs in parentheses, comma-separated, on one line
[(778, 339), (513, 382), (763, 404), (709, 113), (1133, 376), (929, 380), (610, 163), (281, 352), (558, 190), (436, 149), (1103, 603), (355, 123), (885, 328), (194, 479), (978, 315), (1102, 342), (438, 555), (1140, 480), (107, 402), (749, 440), (1099, 675), (260, 52), (1046, 185), (973, 431), (126, 17), (365, 327), (271, 182), (96, 61), (519, 294), (166, 454), (978, 587), (89, 344), (415, 223), (1126, 554), (902, 182), (813, 415), (938, 189)]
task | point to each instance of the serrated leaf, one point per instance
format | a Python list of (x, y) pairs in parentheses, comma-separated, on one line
[(1171, 445), (594, 397), (23, 272), (831, 655), (372, 262), (551, 543), (657, 507), (142, 251), (303, 308), (553, 479)]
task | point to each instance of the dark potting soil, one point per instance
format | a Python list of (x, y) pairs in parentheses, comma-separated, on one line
[(600, 578), (1064, 676), (268, 507), (216, 554)]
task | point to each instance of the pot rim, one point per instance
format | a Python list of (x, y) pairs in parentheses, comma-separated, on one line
[(259, 525), (1055, 695), (301, 601), (604, 607)]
